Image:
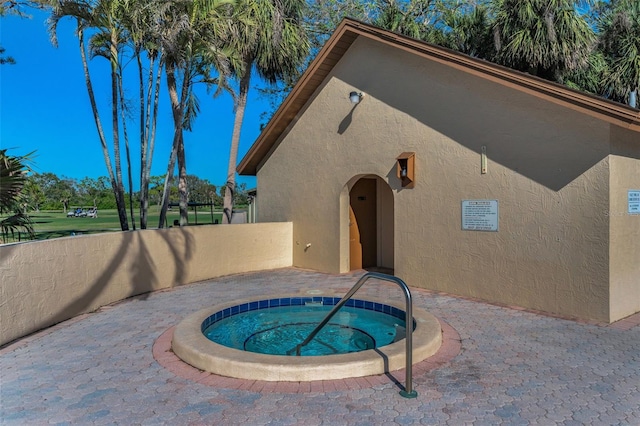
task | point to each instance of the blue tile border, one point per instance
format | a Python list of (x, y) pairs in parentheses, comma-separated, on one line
[(300, 301)]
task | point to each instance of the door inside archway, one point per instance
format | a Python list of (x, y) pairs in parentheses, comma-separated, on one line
[(371, 225)]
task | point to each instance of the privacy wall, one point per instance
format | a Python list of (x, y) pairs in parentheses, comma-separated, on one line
[(46, 282)]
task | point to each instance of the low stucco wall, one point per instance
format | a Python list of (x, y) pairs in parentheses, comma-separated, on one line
[(46, 282)]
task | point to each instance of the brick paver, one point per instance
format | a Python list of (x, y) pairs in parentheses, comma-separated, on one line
[(510, 367)]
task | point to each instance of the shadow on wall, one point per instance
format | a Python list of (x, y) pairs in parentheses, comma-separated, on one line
[(80, 304), (547, 143), (142, 273), (46, 282), (143, 270), (180, 259), (346, 122)]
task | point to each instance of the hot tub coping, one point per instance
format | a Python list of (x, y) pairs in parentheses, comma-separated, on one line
[(192, 346)]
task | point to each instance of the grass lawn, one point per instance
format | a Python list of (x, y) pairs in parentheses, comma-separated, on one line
[(55, 223)]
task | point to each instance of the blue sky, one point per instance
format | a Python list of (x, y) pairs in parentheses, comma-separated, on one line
[(44, 107)]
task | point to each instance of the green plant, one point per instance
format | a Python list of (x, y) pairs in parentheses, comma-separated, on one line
[(12, 207)]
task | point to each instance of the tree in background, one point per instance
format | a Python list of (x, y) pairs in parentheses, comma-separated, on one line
[(321, 17), (90, 191), (101, 20), (34, 196), (120, 29), (465, 28), (144, 34), (193, 43), (546, 38), (202, 191), (411, 18), (46, 191), (12, 180), (156, 188), (273, 42), (619, 31), (58, 192)]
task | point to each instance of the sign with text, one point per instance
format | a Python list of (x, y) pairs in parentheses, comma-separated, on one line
[(480, 215), (634, 201)]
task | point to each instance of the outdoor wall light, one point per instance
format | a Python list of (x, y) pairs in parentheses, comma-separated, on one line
[(405, 169), (356, 97)]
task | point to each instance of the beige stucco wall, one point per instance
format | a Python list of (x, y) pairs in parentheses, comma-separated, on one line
[(548, 168), (45, 282), (625, 228)]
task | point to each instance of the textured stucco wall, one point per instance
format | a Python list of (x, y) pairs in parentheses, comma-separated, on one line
[(625, 228), (45, 282), (548, 168)]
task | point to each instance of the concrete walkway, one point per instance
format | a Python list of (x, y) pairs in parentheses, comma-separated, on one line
[(513, 367)]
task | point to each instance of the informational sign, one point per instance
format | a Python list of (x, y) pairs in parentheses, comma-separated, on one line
[(634, 201), (480, 215)]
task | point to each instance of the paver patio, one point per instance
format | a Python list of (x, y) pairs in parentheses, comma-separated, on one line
[(512, 367)]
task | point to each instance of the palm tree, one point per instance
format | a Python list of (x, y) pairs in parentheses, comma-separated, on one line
[(402, 17), (106, 41), (591, 78), (192, 42), (467, 30), (143, 30), (619, 34), (275, 44), (323, 16), (546, 38), (12, 181)]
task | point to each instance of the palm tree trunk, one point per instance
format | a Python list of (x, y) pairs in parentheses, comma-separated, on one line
[(144, 193), (183, 191), (122, 210), (182, 185), (149, 135), (241, 104), (126, 146), (164, 204), (177, 109)]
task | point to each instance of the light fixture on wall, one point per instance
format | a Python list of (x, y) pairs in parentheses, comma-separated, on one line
[(356, 97), (405, 167), (483, 160)]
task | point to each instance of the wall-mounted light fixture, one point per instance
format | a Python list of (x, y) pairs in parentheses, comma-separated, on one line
[(356, 97), (405, 169), (483, 160)]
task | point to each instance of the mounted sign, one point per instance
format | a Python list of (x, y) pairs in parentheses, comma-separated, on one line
[(480, 215), (634, 201)]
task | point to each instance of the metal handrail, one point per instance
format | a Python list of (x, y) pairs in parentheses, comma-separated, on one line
[(408, 392)]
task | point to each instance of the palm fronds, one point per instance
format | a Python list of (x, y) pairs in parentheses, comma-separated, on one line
[(12, 180)]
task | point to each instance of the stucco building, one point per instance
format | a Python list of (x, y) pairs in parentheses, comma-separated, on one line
[(517, 190)]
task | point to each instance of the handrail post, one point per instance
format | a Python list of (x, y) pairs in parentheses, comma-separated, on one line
[(408, 391)]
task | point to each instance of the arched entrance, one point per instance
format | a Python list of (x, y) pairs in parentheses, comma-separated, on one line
[(371, 238)]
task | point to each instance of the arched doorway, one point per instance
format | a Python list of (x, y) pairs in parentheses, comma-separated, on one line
[(371, 238)]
